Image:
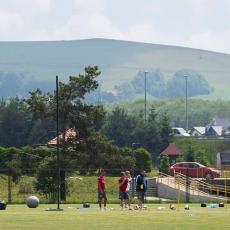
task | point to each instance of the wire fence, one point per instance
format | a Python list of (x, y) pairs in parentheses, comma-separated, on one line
[(75, 188)]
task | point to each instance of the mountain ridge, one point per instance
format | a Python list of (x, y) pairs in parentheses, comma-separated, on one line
[(118, 60)]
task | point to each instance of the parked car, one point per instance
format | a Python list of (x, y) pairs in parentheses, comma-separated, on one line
[(194, 169), (180, 132)]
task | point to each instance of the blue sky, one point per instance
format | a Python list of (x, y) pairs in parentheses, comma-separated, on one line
[(202, 24)]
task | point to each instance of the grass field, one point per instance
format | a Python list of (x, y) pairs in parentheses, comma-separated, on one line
[(73, 217)]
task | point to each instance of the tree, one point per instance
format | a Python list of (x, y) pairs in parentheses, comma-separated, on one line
[(143, 159), (190, 154), (47, 177), (197, 86), (118, 127), (166, 132), (73, 112), (72, 109), (155, 83), (164, 164), (201, 157), (151, 138), (15, 124)]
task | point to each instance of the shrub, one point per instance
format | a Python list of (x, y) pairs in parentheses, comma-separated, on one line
[(164, 165)]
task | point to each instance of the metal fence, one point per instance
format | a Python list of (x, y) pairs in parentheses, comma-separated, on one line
[(78, 188)]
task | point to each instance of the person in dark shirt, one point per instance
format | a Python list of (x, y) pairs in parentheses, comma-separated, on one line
[(141, 187)]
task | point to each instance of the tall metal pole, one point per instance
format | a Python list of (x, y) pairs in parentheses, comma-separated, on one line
[(186, 102), (145, 97), (58, 152)]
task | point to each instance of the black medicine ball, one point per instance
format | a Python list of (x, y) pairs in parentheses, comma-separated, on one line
[(86, 205), (203, 205), (3, 205), (221, 205)]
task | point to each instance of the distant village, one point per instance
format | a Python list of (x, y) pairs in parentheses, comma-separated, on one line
[(217, 128)]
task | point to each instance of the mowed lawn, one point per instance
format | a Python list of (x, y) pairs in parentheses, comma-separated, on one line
[(73, 217)]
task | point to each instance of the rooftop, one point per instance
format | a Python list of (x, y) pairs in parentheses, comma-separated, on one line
[(172, 150)]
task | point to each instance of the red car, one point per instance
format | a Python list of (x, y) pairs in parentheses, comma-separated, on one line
[(194, 169)]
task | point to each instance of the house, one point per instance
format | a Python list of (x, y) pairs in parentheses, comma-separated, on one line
[(214, 131), (179, 132), (173, 152), (198, 131), (223, 122), (69, 135), (223, 160), (218, 121)]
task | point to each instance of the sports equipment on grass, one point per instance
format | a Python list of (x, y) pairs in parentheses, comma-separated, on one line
[(203, 205), (221, 205), (186, 207), (86, 205), (3, 205), (32, 202)]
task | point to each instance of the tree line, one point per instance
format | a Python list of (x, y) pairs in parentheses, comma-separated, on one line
[(103, 139), (32, 121)]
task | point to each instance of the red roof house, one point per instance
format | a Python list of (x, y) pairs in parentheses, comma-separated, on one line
[(172, 151), (69, 134)]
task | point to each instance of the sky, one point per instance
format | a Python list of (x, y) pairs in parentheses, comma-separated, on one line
[(202, 24)]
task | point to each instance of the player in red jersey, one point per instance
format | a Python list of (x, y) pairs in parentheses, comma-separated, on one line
[(102, 189), (123, 183)]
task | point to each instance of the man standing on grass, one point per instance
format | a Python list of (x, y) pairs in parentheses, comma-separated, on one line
[(123, 183), (141, 187), (127, 173), (102, 190)]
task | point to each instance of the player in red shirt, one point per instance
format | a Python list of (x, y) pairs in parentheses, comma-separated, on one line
[(123, 183), (102, 189)]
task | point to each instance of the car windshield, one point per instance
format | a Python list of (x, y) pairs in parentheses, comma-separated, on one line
[(200, 165)]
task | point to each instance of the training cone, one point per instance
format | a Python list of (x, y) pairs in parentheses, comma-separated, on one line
[(213, 205)]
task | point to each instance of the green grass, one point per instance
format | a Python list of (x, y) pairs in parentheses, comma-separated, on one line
[(78, 191), (22, 218)]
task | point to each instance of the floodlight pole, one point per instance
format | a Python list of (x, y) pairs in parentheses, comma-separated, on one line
[(186, 102), (58, 152), (145, 95)]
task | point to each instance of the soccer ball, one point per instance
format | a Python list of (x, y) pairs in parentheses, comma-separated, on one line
[(186, 207), (32, 202)]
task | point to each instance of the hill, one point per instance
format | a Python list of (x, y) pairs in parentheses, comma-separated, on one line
[(119, 61)]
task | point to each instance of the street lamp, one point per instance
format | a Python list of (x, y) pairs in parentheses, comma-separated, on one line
[(145, 94), (186, 102), (58, 152)]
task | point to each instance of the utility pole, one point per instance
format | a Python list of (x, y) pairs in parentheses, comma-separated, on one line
[(58, 152), (145, 96), (186, 102)]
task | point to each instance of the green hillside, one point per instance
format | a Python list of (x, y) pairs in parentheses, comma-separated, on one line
[(119, 61)]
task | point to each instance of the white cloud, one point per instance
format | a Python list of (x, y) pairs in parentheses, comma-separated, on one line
[(10, 22), (90, 6), (196, 23), (89, 20), (33, 6)]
